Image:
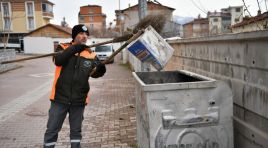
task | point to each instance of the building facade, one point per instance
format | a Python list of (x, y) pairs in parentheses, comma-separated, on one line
[(18, 17), (257, 23), (196, 28), (236, 12), (129, 17), (200, 27), (92, 17), (221, 22), (188, 30)]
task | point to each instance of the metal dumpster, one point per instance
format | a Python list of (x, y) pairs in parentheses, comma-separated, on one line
[(181, 109)]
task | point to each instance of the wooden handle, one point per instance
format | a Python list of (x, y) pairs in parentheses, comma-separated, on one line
[(115, 40), (134, 37)]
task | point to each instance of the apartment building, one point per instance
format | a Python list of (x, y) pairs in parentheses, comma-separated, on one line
[(18, 17), (92, 17)]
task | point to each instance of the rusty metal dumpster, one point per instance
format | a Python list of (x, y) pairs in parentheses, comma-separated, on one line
[(181, 109)]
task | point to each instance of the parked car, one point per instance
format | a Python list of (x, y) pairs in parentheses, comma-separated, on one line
[(104, 51)]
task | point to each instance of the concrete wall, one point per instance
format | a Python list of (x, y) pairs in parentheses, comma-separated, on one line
[(6, 55), (241, 60)]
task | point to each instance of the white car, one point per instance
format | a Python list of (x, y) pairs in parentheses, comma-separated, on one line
[(104, 51)]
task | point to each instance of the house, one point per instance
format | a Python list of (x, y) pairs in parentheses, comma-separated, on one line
[(215, 23), (18, 17), (236, 13), (197, 27), (188, 30), (46, 38), (220, 22), (92, 17), (257, 23), (171, 29), (51, 30), (129, 17), (200, 27)]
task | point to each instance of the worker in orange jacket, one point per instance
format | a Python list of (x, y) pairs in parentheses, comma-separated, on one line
[(74, 63)]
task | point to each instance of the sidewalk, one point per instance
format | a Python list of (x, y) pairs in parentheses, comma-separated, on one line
[(109, 118)]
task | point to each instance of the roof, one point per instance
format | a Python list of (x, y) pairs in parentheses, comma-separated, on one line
[(189, 23), (201, 21), (251, 20), (67, 30), (47, 1), (218, 14), (148, 3), (91, 6), (16, 1)]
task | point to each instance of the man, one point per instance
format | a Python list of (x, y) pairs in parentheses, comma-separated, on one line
[(74, 63)]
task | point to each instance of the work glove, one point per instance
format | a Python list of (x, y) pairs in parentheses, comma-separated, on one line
[(100, 70), (63, 57), (79, 47)]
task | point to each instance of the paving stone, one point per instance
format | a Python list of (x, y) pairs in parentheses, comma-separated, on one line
[(112, 99)]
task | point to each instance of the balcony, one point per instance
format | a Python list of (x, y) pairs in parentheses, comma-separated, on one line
[(47, 9), (48, 15)]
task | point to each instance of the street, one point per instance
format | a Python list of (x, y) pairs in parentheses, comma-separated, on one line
[(109, 119)]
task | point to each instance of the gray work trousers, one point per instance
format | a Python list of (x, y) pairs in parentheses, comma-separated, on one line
[(57, 114)]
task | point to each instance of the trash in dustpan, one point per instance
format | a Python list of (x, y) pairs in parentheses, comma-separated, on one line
[(151, 48)]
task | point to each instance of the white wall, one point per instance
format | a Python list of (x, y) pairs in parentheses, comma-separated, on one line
[(38, 45), (44, 45)]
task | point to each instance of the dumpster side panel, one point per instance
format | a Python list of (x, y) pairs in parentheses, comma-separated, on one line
[(183, 114), (142, 117), (241, 61), (179, 102)]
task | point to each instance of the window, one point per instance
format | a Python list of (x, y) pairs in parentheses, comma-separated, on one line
[(6, 14), (226, 18), (7, 24), (30, 23), (30, 15), (237, 9), (6, 10), (91, 18), (30, 11), (90, 11), (237, 20), (47, 8), (91, 26), (215, 20), (82, 19)]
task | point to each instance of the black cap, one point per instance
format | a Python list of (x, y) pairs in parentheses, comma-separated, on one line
[(79, 28)]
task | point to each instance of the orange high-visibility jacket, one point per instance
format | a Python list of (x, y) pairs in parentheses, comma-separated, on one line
[(70, 84)]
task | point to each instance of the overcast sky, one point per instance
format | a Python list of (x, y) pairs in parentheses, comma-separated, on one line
[(70, 8)]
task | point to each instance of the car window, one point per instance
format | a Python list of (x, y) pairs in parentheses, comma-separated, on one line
[(103, 49)]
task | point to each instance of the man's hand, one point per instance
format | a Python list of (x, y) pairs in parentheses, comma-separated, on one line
[(101, 69), (80, 47)]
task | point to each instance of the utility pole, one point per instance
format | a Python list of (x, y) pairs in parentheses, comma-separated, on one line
[(142, 9), (142, 13)]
